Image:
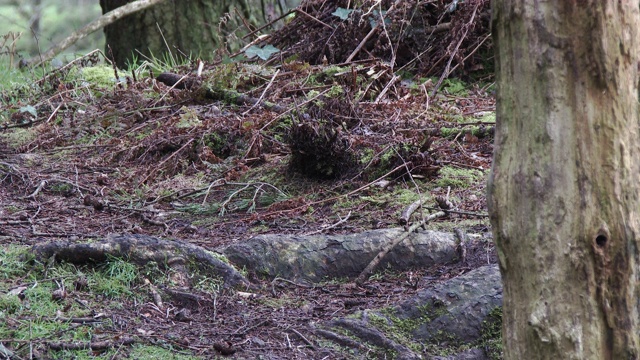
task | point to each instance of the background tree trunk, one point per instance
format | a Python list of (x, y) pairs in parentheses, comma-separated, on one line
[(564, 190), (192, 27)]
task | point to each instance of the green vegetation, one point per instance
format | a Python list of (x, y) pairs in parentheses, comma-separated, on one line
[(57, 19), (114, 279), (156, 352), (164, 154), (491, 339), (454, 87), (490, 117), (99, 77), (31, 311), (459, 178)]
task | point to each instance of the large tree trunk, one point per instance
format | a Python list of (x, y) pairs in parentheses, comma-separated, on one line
[(564, 190), (192, 27)]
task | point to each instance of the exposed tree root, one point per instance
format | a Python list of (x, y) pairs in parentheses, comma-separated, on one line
[(141, 249)]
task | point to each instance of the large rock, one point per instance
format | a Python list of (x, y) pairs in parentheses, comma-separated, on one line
[(460, 313), (318, 257), (456, 308)]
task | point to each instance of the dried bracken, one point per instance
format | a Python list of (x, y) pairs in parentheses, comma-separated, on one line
[(416, 33)]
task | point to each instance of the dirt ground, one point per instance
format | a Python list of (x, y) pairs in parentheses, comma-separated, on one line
[(241, 151), (213, 173)]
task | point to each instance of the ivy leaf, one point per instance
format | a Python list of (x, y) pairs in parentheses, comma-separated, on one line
[(377, 15), (342, 13), (30, 109), (262, 52)]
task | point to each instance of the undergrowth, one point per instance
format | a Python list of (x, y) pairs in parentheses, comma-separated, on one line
[(38, 303)]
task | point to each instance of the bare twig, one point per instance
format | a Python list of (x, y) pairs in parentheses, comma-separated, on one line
[(273, 282), (460, 212), (157, 299), (462, 244), (165, 160), (447, 68), (391, 82), (314, 18), (386, 249), (409, 210), (263, 93), (303, 338), (364, 41), (472, 52), (42, 184), (97, 345), (341, 221), (269, 23)]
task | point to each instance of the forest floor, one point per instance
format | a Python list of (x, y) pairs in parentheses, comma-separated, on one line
[(298, 150)]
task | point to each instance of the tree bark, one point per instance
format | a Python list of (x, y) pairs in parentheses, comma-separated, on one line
[(192, 27), (99, 23), (564, 189)]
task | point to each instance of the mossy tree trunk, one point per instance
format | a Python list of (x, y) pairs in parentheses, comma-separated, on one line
[(194, 27), (565, 185)]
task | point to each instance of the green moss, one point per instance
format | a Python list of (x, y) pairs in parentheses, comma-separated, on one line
[(312, 93), (335, 91), (61, 188), (491, 117), (491, 335), (405, 196), (9, 305), (188, 118), (156, 352), (448, 226), (458, 178), (398, 329), (374, 352), (13, 262), (19, 136), (333, 69), (98, 76)]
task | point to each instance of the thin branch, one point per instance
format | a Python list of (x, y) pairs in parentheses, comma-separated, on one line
[(93, 26), (259, 101), (447, 70), (341, 221), (385, 250)]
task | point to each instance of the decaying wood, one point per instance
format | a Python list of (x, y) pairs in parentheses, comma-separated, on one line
[(141, 249), (230, 96), (409, 210), (97, 24)]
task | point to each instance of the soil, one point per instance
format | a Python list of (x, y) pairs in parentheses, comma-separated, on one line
[(146, 174), (309, 149)]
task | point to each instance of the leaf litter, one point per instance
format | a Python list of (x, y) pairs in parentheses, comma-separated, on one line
[(241, 152)]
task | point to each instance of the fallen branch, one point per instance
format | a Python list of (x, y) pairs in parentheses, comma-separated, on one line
[(157, 299), (33, 195), (93, 26), (461, 212), (385, 250), (259, 101), (409, 210), (228, 96)]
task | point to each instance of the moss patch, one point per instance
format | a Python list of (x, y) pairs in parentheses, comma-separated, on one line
[(459, 178)]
